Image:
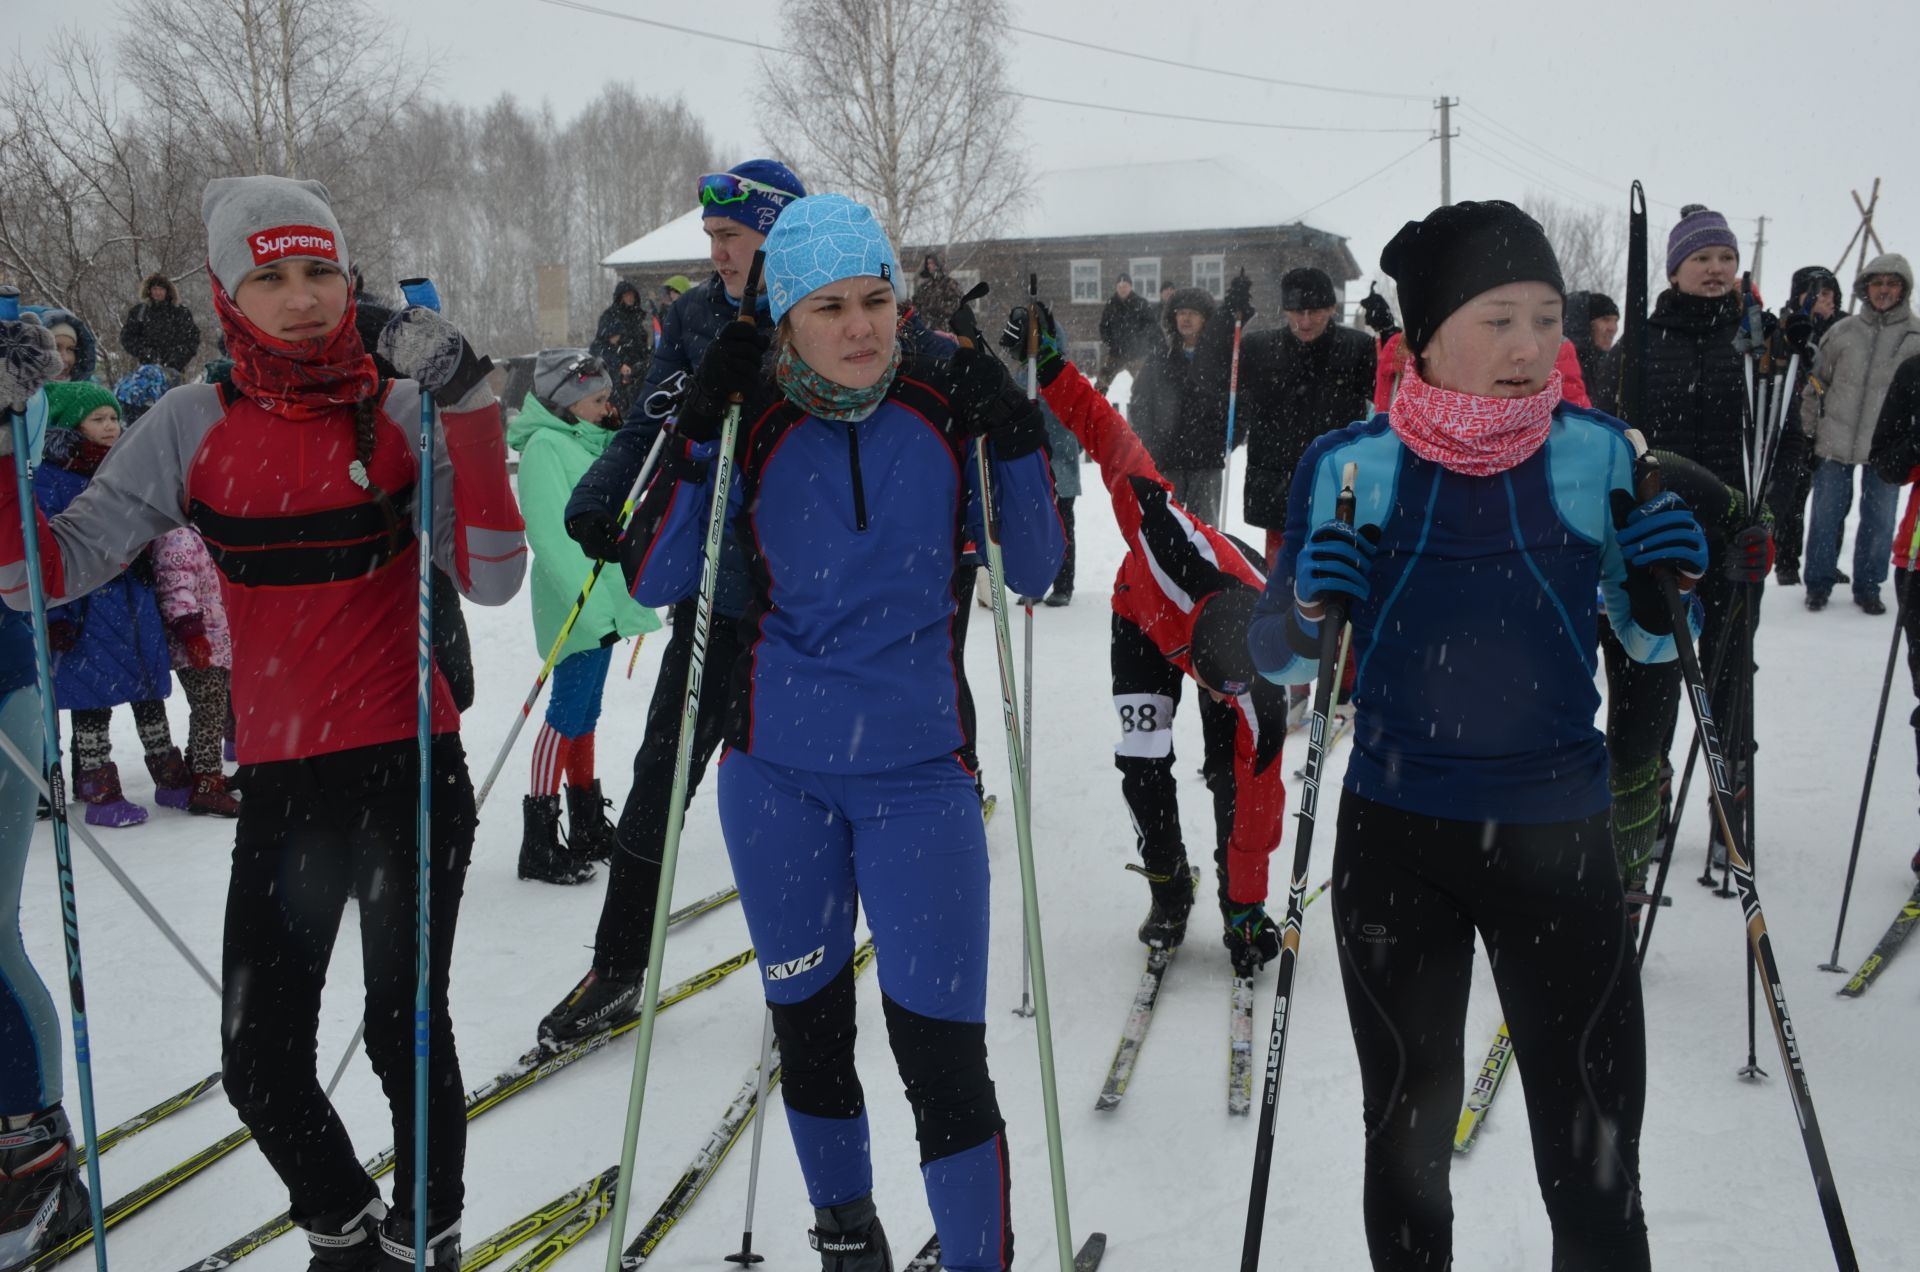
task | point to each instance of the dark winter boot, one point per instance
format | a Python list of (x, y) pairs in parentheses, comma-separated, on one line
[(172, 779), (99, 789), (596, 1003), (42, 1201), (541, 856), (589, 833), (1251, 938), (850, 1239), (211, 798), (1166, 923), (396, 1244), (346, 1240)]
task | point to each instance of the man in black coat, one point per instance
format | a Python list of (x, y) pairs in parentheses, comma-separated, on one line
[(1129, 333), (160, 330), (1180, 411), (623, 341), (1296, 383)]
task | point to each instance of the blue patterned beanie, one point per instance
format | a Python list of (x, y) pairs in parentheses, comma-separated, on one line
[(822, 239)]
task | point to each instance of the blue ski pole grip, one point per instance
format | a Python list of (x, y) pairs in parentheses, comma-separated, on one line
[(421, 292), (9, 303)]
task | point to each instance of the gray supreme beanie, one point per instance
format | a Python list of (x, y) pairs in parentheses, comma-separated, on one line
[(255, 221)]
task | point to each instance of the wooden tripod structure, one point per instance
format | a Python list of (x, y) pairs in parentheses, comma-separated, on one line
[(1863, 233)]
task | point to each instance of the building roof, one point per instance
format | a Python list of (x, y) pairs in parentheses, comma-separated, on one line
[(1132, 198)]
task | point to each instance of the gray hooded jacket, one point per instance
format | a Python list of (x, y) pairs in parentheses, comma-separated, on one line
[(1855, 365)]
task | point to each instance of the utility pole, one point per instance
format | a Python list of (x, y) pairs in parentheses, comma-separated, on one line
[(1759, 251), (1445, 106)]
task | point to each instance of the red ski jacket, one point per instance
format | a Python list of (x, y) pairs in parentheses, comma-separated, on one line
[(1175, 563), (321, 591)]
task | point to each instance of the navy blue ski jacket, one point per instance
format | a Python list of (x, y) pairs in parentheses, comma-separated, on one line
[(852, 533), (1477, 647)]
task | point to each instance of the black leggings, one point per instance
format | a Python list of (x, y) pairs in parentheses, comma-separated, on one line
[(311, 834), (1409, 893)]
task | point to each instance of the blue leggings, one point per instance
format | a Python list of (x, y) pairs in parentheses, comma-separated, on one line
[(579, 683), (29, 1026), (807, 850)]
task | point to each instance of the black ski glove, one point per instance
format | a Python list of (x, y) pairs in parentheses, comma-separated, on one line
[(986, 402), (1013, 338), (597, 534), (1239, 300), (731, 367), (1377, 313), (426, 348)]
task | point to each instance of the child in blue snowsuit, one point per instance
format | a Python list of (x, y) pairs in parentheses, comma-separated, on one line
[(1492, 521), (841, 786)]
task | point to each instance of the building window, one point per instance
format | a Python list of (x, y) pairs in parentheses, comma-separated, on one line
[(1086, 283), (1145, 272), (1210, 275)]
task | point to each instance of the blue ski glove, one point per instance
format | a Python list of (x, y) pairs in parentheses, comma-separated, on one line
[(1661, 531), (1334, 562)]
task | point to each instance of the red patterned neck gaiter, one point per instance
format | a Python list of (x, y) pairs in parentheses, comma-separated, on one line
[(1469, 434), (296, 380)]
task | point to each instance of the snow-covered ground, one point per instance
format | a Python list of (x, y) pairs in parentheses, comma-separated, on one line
[(1726, 1181)]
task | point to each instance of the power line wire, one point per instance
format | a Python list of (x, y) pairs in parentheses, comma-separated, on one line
[(1377, 172), (1520, 168)]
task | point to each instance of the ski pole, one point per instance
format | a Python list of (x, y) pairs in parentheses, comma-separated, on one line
[(120, 876), (1326, 684), (1233, 402), (746, 1257), (1748, 731), (566, 628), (1023, 828), (1873, 753), (1759, 940), (1033, 395), (421, 291), (56, 784), (677, 801)]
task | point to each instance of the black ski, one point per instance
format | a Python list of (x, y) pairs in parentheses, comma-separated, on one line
[(143, 1120), (1240, 1036), (1896, 936), (1086, 1259)]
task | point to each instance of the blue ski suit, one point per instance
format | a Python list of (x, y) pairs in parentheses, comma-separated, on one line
[(841, 783)]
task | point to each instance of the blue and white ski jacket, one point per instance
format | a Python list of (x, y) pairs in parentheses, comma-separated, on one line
[(853, 533), (1477, 646)]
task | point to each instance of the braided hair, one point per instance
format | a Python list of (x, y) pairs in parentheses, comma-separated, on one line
[(366, 419)]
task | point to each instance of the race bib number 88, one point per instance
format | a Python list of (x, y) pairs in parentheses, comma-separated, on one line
[(1146, 725)]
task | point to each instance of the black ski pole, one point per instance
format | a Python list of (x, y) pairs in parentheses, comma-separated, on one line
[(1647, 478), (1331, 621), (1873, 757), (1749, 731)]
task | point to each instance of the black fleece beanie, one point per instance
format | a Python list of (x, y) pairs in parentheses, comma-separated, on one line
[(1459, 251), (1219, 650)]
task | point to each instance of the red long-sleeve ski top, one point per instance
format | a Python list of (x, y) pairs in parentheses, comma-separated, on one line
[(320, 582), (1175, 563)]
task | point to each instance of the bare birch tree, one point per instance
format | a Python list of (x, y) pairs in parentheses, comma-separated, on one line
[(1591, 244), (896, 103)]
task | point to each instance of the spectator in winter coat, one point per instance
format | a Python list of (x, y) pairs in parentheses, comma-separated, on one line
[(1182, 420), (623, 341), (110, 646), (1895, 458), (936, 295), (564, 425), (187, 588), (79, 349), (159, 328), (1129, 333), (1300, 381), (1838, 410), (1794, 462), (1592, 323)]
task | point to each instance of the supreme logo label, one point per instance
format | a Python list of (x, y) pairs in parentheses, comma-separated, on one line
[(293, 240)]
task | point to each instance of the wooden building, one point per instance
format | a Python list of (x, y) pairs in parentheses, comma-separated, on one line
[(1187, 223)]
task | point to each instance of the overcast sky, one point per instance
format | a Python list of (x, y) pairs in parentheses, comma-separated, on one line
[(1774, 109)]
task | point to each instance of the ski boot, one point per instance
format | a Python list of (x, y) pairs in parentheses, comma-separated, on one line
[(1166, 923), (172, 779), (211, 797), (1059, 598), (396, 1244), (541, 856), (1251, 939), (42, 1201), (347, 1240), (597, 1002), (589, 833), (107, 805), (849, 1238)]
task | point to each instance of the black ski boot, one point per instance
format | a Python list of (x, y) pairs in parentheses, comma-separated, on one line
[(42, 1201), (541, 856), (348, 1240), (850, 1239), (1251, 938), (597, 1002), (1166, 923), (589, 833), (396, 1244)]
